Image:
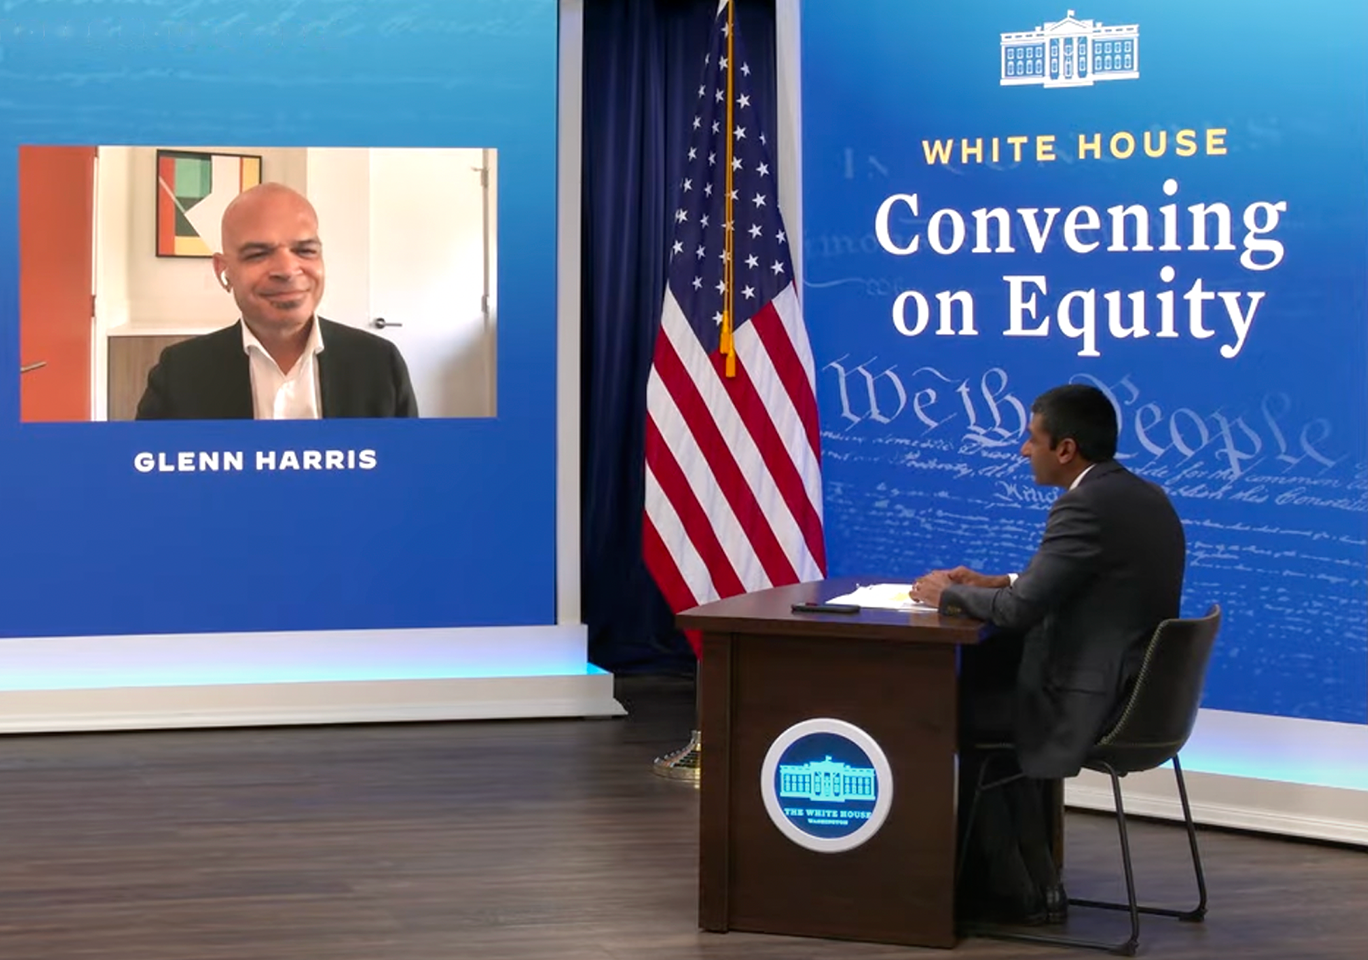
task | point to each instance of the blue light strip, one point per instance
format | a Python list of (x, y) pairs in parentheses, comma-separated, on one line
[(199, 675)]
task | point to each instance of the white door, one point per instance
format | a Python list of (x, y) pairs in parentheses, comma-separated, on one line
[(431, 237)]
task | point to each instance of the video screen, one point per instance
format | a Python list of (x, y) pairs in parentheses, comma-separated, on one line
[(257, 283), (342, 219)]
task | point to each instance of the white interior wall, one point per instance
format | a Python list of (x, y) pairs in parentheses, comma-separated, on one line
[(112, 229), (169, 293), (338, 181), (427, 251), (408, 229)]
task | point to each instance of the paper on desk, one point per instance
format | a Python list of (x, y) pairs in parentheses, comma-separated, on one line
[(883, 596)]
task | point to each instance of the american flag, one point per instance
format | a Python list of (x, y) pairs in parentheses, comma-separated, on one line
[(733, 467)]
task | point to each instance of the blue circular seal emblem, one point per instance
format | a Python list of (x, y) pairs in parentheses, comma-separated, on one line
[(826, 784)]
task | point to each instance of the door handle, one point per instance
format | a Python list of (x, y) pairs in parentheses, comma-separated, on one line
[(30, 367), (381, 323)]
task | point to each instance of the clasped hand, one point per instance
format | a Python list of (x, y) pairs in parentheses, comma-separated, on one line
[(928, 589)]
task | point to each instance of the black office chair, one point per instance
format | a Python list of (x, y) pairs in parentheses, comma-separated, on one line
[(1156, 723)]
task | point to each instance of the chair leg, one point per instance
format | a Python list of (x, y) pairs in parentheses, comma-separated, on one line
[(1128, 948), (1194, 915), (1197, 914)]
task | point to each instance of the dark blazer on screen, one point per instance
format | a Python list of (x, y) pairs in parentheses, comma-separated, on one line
[(209, 377)]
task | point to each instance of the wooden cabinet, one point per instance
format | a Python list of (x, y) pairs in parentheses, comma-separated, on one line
[(130, 360)]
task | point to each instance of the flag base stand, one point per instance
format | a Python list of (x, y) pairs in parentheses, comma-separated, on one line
[(683, 764)]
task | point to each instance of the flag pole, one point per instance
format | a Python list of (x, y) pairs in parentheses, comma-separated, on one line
[(728, 275), (686, 763)]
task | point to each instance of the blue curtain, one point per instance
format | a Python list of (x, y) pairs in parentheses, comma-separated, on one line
[(642, 63)]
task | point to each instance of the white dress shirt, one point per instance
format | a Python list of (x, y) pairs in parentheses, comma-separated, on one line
[(1012, 577), (1079, 479), (281, 395)]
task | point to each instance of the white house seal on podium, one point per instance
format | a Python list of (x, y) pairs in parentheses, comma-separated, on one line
[(826, 784)]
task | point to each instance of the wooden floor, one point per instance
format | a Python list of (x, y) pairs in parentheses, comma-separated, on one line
[(501, 841)]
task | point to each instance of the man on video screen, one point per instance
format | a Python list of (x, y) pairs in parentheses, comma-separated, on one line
[(281, 361)]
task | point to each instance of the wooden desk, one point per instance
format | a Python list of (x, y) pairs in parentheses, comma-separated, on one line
[(893, 675)]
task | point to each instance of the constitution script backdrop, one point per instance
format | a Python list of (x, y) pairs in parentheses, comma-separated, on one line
[(1167, 200)]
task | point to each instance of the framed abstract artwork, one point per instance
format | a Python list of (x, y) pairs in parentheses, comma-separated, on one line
[(193, 190)]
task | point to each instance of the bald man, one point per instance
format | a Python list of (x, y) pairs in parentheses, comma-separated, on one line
[(280, 361)]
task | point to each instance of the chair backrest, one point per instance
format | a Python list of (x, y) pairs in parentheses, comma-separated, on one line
[(1159, 716)]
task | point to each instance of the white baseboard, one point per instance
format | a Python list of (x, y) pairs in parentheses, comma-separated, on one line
[(54, 684), (1299, 778), (280, 704), (1266, 806)]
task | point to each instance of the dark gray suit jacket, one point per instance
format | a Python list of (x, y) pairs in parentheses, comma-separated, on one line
[(210, 378), (1108, 569)]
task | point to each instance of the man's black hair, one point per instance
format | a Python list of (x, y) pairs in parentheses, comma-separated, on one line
[(1083, 414)]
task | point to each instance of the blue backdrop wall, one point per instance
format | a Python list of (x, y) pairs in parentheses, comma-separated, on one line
[(1164, 199), (455, 526)]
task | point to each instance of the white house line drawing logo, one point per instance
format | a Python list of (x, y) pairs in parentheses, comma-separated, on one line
[(1071, 53), (827, 780)]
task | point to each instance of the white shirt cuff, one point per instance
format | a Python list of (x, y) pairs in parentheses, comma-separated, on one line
[(1011, 579)]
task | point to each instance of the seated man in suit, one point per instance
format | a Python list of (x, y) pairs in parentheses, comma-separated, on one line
[(1071, 634), (281, 361)]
